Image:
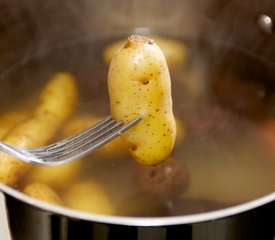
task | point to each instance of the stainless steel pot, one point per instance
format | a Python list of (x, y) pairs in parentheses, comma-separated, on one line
[(32, 219), (28, 27)]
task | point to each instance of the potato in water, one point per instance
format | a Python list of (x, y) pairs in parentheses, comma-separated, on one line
[(10, 119), (58, 177), (42, 192), (89, 196), (139, 86), (55, 104)]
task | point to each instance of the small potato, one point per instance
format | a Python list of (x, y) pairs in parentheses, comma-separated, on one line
[(174, 51), (116, 147), (57, 101), (58, 177), (168, 180), (139, 86), (42, 192), (88, 196), (9, 119)]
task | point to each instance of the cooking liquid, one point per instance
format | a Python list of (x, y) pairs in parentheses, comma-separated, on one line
[(222, 148)]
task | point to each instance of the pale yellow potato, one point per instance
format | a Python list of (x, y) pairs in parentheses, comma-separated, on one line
[(139, 86), (58, 99), (42, 192), (174, 50), (56, 103), (9, 119), (116, 147), (58, 177), (88, 196)]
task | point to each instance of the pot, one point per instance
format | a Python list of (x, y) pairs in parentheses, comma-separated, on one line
[(240, 37)]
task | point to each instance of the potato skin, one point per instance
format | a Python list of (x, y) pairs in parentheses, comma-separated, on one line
[(58, 98), (42, 192), (167, 180), (139, 86), (10, 119), (58, 177), (88, 196), (56, 103)]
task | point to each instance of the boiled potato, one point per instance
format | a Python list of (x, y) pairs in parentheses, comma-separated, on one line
[(116, 147), (56, 103), (58, 99), (88, 196), (167, 180), (139, 86), (58, 177), (9, 119), (42, 192), (174, 51)]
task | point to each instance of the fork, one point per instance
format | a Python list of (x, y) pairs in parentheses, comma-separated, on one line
[(73, 147)]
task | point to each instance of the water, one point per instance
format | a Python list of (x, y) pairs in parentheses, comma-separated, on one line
[(222, 149)]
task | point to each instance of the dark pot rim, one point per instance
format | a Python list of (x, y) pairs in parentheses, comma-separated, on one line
[(140, 221)]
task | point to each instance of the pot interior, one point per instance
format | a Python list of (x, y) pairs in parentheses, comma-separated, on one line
[(223, 100)]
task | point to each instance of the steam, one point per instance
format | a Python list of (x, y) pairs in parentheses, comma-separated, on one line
[(64, 19), (54, 20)]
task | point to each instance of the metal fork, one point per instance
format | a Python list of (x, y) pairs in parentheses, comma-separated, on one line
[(73, 147)]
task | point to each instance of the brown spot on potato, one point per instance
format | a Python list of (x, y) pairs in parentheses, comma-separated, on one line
[(145, 82), (133, 147)]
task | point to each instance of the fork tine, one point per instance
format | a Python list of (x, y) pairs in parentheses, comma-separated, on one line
[(87, 132), (73, 147), (82, 140), (85, 145), (91, 145)]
